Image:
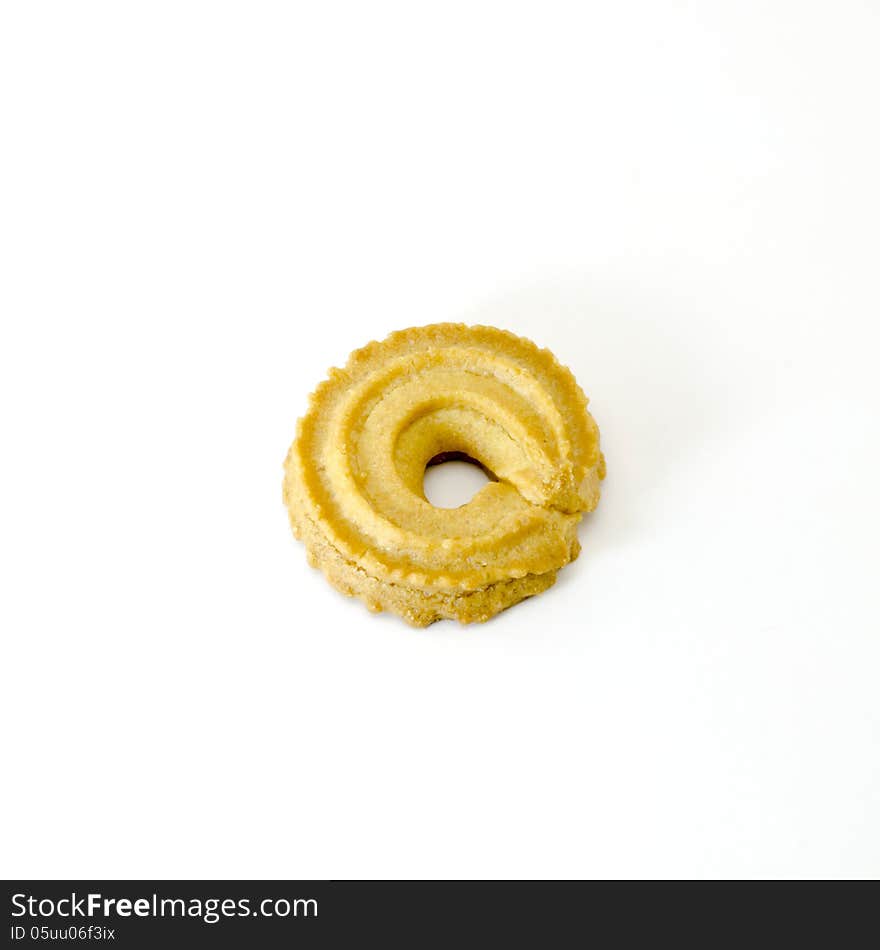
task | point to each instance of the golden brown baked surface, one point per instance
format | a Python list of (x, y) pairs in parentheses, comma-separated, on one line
[(353, 476)]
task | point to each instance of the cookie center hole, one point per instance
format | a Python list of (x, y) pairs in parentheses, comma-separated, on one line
[(452, 479)]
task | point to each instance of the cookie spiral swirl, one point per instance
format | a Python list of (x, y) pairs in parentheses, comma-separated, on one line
[(353, 476)]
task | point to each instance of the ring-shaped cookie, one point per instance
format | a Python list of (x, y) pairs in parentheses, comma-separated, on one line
[(354, 475)]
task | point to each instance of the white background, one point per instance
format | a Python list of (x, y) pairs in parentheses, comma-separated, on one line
[(204, 206)]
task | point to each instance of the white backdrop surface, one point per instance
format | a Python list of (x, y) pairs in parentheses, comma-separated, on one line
[(204, 206)]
